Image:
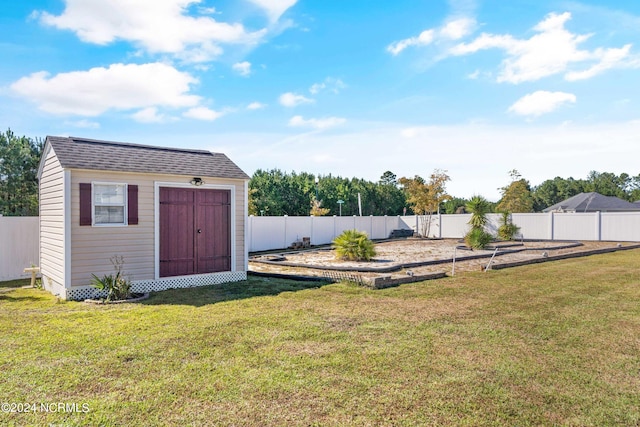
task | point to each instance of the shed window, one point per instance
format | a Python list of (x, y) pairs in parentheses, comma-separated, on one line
[(109, 204)]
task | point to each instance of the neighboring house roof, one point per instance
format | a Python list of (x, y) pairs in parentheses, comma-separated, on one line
[(592, 202), (82, 153)]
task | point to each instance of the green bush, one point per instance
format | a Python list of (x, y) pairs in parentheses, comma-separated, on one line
[(354, 245), (479, 208), (477, 238), (507, 229), (116, 286)]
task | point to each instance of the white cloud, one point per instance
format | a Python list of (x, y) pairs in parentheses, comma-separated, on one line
[(274, 8), (454, 29), (426, 37), (119, 87), (156, 26), (539, 151), (256, 106), (208, 10), (551, 51), (458, 28), (331, 84), (85, 124), (291, 99), (243, 68), (299, 121), (609, 58), (148, 115), (203, 113), (541, 102)]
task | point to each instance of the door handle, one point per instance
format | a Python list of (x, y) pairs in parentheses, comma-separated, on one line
[(199, 231)]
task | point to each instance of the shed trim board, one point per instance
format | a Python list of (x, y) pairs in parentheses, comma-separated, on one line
[(232, 219), (67, 230), (246, 225)]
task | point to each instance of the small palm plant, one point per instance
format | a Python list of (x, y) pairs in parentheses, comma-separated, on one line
[(477, 237), (116, 286), (508, 229), (353, 245), (479, 208)]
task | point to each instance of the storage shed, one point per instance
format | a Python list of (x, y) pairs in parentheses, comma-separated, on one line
[(176, 216)]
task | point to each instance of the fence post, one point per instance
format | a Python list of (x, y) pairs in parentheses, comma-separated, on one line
[(311, 233), (371, 226), (284, 239), (250, 231), (598, 222), (385, 227), (551, 225)]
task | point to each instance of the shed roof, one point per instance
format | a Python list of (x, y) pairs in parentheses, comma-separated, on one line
[(593, 202), (82, 153)]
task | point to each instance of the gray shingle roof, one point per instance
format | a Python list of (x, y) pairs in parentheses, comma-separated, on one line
[(82, 153), (593, 202)]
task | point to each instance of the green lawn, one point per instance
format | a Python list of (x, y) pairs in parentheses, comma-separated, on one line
[(15, 283), (549, 344)]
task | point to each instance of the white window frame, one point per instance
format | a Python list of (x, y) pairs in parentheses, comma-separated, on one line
[(124, 223)]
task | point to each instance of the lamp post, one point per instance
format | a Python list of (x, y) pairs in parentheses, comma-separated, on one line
[(317, 182), (340, 202)]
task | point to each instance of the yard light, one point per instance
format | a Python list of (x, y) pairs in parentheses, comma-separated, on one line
[(340, 202)]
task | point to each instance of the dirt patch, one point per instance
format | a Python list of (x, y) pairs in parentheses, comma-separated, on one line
[(418, 257)]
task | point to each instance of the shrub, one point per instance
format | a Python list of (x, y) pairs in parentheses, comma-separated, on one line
[(507, 228), (354, 245), (116, 286), (477, 238), (479, 208)]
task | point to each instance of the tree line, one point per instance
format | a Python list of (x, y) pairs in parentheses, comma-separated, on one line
[(275, 193), (19, 160)]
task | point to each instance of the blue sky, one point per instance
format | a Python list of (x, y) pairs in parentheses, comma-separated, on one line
[(352, 88)]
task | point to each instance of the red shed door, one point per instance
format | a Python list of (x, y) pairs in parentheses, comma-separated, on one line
[(195, 231)]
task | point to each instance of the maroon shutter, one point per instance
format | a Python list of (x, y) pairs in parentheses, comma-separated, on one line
[(132, 204), (85, 203)]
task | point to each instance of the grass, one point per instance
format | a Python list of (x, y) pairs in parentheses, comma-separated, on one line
[(550, 344), (15, 283)]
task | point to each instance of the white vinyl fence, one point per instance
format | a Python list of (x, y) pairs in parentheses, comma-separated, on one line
[(19, 236), (270, 232), (19, 245)]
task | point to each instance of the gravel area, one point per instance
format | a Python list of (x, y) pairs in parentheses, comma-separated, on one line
[(390, 255)]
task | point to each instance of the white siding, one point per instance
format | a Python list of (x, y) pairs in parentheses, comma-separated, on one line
[(52, 225), (92, 247)]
